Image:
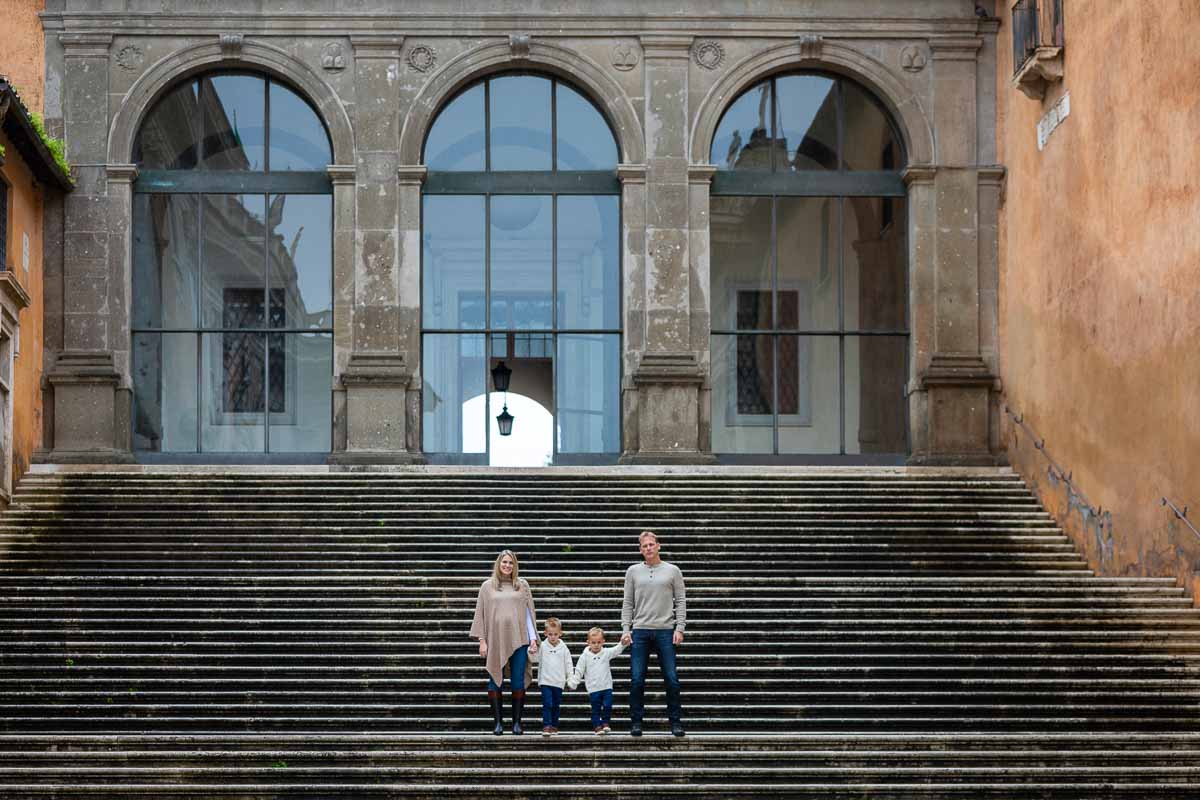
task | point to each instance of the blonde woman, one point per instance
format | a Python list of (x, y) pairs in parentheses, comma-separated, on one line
[(506, 626)]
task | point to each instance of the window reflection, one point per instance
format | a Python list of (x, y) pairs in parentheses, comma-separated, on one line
[(520, 123), (456, 140)]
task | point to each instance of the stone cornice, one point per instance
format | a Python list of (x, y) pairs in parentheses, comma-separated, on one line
[(14, 294), (85, 45), (412, 174), (679, 367), (919, 173), (341, 173), (955, 48), (381, 45), (631, 173), (664, 47), (701, 173), (121, 173)]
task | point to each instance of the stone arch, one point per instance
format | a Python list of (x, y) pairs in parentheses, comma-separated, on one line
[(901, 102), (198, 58), (559, 61)]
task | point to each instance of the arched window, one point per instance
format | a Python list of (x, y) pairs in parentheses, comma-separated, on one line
[(809, 286), (521, 264), (232, 317)]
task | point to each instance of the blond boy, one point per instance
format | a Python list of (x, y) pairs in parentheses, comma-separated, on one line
[(594, 670)]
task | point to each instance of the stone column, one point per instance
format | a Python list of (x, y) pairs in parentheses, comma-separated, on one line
[(699, 192), (343, 179), (91, 398), (375, 376), (668, 376), (955, 414)]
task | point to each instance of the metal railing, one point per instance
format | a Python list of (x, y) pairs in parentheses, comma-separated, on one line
[(1055, 471), (1182, 515), (1025, 32)]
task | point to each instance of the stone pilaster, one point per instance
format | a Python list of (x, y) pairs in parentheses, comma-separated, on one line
[(699, 187), (343, 179), (951, 404), (669, 374), (91, 396)]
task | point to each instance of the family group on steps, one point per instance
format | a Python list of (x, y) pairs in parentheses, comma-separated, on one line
[(653, 616)]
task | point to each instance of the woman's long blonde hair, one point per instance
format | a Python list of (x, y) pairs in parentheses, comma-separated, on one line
[(516, 577)]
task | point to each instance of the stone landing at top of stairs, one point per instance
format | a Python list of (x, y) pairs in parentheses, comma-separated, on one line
[(853, 632)]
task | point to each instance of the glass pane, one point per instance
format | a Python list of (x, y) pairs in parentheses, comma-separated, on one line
[(876, 411), (234, 396), (741, 263), (453, 374), (589, 393), (164, 392), (166, 268), (809, 400), (456, 140), (301, 254), (301, 410), (808, 263), (875, 251), (520, 119), (521, 261), (807, 121), (298, 140), (452, 262), (234, 110), (869, 140), (232, 260), (170, 135), (589, 262), (743, 369), (584, 138), (743, 138)]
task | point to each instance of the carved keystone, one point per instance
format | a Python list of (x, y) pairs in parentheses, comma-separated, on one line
[(518, 43), (231, 45), (811, 45)]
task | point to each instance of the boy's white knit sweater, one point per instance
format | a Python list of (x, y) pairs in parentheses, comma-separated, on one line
[(595, 669), (554, 664)]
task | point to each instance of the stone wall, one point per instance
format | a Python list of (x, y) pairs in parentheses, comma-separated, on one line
[(662, 77), (1100, 310)]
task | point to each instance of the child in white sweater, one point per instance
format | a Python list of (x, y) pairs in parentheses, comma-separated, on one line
[(554, 665), (594, 670)]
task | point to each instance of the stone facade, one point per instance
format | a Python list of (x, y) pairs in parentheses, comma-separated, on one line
[(378, 76)]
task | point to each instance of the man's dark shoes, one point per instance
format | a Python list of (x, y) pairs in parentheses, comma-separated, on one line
[(635, 729), (677, 729)]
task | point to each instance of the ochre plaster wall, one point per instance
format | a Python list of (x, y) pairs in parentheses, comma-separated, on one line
[(1100, 286), (23, 49), (25, 214)]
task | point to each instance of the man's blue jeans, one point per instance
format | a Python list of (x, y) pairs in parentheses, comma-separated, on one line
[(601, 707), (551, 704), (660, 641), (516, 669)]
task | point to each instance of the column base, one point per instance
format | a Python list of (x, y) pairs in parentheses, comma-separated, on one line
[(668, 411), (374, 458), (91, 412), (376, 412), (959, 409), (667, 459), (109, 456)]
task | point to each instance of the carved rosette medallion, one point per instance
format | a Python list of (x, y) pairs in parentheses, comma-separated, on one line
[(913, 58), (130, 58), (422, 58), (332, 58), (709, 54), (624, 57)]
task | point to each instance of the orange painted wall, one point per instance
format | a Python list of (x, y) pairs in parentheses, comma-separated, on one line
[(1100, 282), (22, 60), (23, 49)]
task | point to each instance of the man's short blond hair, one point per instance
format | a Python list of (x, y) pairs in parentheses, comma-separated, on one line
[(644, 534)]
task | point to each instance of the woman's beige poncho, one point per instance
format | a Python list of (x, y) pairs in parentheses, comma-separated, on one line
[(500, 616)]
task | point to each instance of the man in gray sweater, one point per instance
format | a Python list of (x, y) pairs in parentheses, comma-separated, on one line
[(653, 616)]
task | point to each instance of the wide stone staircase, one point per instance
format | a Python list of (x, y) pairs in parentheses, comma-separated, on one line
[(853, 633)]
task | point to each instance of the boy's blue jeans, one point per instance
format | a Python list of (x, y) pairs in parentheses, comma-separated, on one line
[(551, 704), (661, 641), (516, 669), (601, 707)]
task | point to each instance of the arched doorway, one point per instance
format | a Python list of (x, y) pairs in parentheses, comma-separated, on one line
[(809, 282), (520, 264), (232, 318)]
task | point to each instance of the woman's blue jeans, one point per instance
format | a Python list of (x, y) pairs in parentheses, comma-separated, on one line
[(661, 641), (516, 668)]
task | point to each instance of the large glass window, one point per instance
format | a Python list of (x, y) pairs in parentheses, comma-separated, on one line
[(521, 265), (808, 273), (232, 273)]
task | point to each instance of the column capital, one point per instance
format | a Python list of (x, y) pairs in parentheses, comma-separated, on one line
[(341, 174), (412, 174), (701, 173), (121, 173), (85, 45), (376, 46), (666, 48), (919, 174), (631, 173)]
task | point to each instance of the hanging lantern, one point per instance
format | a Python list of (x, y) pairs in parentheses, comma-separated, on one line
[(500, 376), (505, 421)]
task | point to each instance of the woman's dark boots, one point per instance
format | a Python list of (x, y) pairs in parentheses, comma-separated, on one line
[(497, 711), (518, 708)]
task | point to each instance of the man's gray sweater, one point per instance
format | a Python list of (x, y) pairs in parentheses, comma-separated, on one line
[(654, 598)]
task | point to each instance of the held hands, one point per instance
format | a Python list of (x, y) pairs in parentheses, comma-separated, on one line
[(627, 639), (533, 647), (482, 649)]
